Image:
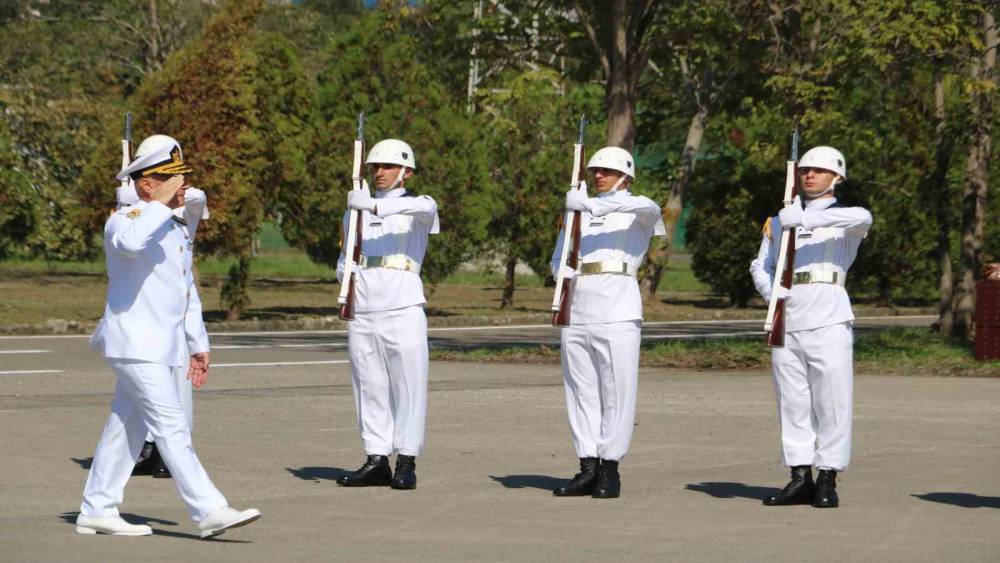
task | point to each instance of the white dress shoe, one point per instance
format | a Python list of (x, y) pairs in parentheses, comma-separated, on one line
[(225, 518), (113, 525)]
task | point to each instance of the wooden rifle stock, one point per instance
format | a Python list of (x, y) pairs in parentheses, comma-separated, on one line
[(774, 326), (570, 255), (352, 248)]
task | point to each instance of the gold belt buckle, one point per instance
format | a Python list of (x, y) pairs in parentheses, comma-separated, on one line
[(802, 277)]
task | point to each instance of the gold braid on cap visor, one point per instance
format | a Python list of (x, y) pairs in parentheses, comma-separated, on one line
[(173, 166)]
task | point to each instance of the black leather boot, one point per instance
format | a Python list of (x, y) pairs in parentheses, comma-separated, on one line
[(609, 482), (406, 472), (798, 491), (161, 471), (826, 490), (583, 482), (374, 473), (149, 460)]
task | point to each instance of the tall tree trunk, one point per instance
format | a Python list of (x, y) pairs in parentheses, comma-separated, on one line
[(508, 282), (976, 182), (621, 103), (659, 251), (938, 186)]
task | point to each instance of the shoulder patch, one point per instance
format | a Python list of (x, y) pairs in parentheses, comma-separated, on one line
[(134, 213)]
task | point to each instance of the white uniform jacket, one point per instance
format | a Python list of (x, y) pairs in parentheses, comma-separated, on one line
[(153, 308), (400, 229), (617, 228), (827, 241)]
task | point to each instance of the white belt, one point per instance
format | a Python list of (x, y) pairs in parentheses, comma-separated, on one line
[(607, 267), (819, 276), (393, 261)]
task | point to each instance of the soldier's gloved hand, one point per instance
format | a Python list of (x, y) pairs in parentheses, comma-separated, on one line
[(791, 216), (781, 292), (361, 200), (577, 200)]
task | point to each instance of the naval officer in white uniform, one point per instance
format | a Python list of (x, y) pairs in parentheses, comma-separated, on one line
[(600, 348), (814, 371), (387, 340), (151, 322), (195, 209)]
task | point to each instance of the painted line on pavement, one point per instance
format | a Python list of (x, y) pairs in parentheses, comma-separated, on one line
[(262, 364), (25, 351), (30, 371), (242, 346)]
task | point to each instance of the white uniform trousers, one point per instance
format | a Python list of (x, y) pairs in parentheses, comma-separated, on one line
[(600, 364), (146, 397), (814, 384), (186, 394), (389, 365)]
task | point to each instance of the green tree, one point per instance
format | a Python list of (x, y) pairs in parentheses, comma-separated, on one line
[(378, 67), (531, 135), (239, 104)]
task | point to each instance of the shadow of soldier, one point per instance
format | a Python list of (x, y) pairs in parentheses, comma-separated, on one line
[(318, 473), (530, 481), (964, 500), (83, 462), (724, 489)]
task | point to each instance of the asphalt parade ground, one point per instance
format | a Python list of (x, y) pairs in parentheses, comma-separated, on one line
[(275, 426)]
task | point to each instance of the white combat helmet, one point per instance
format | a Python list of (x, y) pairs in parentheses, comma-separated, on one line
[(827, 158), (613, 158), (392, 151), (158, 154)]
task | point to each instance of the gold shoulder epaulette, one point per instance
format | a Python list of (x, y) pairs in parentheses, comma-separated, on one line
[(766, 229)]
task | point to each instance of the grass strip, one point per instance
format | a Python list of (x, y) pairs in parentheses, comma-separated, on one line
[(897, 351)]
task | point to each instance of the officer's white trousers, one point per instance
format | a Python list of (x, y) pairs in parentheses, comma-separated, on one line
[(600, 364), (814, 384), (389, 364), (185, 393), (146, 397)]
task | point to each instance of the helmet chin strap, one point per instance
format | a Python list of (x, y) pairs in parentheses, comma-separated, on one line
[(618, 184), (398, 181), (828, 189)]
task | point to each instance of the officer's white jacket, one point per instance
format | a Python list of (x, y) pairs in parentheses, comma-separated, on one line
[(618, 228), (401, 227), (153, 311), (828, 240)]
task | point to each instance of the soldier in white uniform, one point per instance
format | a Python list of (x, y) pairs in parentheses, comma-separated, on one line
[(600, 348), (151, 322), (814, 372), (195, 209), (387, 340)]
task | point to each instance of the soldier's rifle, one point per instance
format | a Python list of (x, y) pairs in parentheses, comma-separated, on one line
[(774, 325), (127, 146), (569, 255), (352, 246)]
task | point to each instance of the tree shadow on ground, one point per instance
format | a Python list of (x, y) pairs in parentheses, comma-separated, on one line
[(723, 489), (70, 518), (319, 473), (83, 462), (530, 481), (964, 500)]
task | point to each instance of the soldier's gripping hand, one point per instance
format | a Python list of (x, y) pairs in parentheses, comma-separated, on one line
[(791, 216), (198, 369), (577, 200), (166, 193), (361, 200)]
